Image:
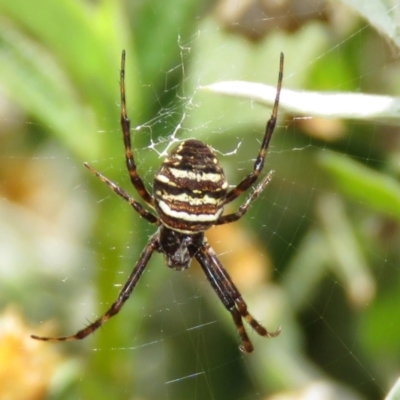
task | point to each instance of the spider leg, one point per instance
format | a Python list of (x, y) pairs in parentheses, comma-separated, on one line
[(122, 297), (126, 131), (120, 192), (225, 219), (259, 163), (230, 296)]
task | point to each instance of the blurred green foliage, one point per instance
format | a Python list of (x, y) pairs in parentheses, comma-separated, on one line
[(329, 220)]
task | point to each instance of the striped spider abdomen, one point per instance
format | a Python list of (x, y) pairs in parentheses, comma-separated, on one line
[(190, 188)]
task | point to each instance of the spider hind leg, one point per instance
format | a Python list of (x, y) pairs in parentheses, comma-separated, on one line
[(151, 247), (230, 296)]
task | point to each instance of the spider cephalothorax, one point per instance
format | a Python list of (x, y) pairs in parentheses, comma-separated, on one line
[(190, 192), (179, 248)]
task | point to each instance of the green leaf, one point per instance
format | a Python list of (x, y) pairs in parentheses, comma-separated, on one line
[(61, 68), (345, 250), (374, 189), (394, 393), (383, 15)]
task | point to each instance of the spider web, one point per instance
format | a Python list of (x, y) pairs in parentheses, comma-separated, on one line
[(173, 339)]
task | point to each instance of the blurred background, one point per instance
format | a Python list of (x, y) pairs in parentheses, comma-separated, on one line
[(318, 253)]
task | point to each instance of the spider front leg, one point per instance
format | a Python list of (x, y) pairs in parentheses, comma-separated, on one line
[(124, 294), (259, 163), (230, 296), (225, 219), (126, 132), (120, 192)]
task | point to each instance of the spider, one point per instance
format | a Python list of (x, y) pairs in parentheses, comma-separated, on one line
[(189, 194)]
